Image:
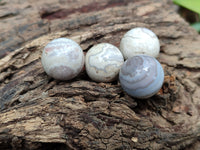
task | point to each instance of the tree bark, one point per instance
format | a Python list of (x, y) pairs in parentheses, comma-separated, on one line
[(38, 112)]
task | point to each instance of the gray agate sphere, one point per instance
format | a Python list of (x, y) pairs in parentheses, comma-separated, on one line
[(139, 41), (103, 62), (62, 59), (141, 76)]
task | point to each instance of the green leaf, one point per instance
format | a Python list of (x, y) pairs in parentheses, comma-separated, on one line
[(196, 26), (193, 5)]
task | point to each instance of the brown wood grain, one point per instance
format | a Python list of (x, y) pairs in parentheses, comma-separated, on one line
[(38, 112)]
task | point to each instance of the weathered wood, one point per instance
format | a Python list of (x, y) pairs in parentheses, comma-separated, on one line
[(38, 112)]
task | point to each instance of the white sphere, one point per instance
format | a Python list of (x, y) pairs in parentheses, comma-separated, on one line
[(139, 41), (103, 62), (62, 59)]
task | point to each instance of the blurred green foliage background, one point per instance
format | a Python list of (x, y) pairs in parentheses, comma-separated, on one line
[(190, 10)]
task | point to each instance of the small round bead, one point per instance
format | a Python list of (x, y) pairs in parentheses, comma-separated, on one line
[(62, 59), (139, 41), (103, 62), (141, 76)]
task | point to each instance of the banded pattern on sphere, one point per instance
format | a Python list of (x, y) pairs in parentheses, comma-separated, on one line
[(103, 62), (62, 59), (139, 41), (141, 76)]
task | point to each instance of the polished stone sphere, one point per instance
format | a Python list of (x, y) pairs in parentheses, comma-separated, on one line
[(141, 76), (62, 59), (103, 62), (139, 41)]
